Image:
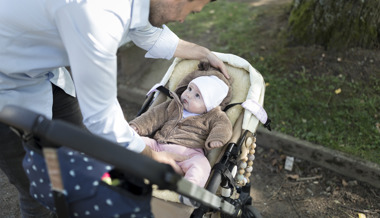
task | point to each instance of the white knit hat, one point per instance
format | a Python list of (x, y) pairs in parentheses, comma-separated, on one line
[(213, 90)]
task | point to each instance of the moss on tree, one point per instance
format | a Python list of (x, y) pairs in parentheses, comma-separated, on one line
[(335, 23)]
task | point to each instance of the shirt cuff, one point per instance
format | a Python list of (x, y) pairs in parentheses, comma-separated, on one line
[(165, 45), (137, 144)]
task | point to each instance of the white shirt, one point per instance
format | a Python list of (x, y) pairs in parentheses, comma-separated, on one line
[(37, 37)]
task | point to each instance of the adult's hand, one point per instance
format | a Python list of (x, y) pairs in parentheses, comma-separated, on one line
[(166, 157), (170, 158), (217, 63), (188, 50)]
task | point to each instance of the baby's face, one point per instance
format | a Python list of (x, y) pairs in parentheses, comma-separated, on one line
[(192, 100)]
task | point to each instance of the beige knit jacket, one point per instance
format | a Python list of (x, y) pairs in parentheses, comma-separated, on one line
[(166, 124)]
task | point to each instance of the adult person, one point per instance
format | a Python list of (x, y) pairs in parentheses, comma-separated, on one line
[(39, 37)]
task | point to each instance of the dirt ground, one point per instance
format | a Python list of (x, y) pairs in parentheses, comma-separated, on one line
[(306, 191)]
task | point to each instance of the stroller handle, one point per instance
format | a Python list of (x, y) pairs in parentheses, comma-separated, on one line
[(62, 133)]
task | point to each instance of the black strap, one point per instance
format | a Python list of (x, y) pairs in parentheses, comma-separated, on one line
[(165, 91), (226, 173), (60, 204), (267, 124), (230, 106)]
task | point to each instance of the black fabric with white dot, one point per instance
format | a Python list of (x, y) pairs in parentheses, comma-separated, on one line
[(87, 196)]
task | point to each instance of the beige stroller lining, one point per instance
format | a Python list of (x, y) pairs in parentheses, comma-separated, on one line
[(247, 83)]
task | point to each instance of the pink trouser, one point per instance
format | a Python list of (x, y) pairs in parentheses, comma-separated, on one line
[(197, 168)]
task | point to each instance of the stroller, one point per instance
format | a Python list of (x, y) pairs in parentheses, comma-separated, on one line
[(227, 192)]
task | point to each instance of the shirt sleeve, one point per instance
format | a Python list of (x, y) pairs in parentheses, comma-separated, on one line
[(159, 42), (91, 36)]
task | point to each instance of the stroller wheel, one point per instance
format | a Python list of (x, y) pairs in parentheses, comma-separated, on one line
[(250, 211)]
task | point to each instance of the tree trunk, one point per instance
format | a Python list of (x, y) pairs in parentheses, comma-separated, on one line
[(335, 24)]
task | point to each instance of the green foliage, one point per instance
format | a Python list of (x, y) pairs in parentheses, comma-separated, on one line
[(308, 107), (227, 24), (330, 110)]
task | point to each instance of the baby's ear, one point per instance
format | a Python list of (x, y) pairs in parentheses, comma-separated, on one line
[(204, 66)]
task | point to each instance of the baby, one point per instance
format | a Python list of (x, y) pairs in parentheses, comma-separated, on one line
[(191, 123)]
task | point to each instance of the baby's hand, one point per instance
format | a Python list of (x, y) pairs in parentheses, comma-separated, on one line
[(215, 144)]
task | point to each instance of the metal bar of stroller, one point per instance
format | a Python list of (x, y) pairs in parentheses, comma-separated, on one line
[(62, 133), (217, 172)]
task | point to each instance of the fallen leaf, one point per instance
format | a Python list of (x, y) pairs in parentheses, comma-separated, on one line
[(261, 58), (344, 183), (337, 91), (274, 162), (280, 167), (293, 176), (361, 215)]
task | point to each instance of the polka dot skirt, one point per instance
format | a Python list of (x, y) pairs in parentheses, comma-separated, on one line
[(86, 195)]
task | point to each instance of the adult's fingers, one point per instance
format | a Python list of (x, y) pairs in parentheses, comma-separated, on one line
[(217, 63), (168, 158)]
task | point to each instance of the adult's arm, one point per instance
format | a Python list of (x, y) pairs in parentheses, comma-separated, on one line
[(91, 37), (188, 50), (167, 45)]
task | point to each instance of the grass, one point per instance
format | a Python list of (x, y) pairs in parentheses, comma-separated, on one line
[(330, 109)]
